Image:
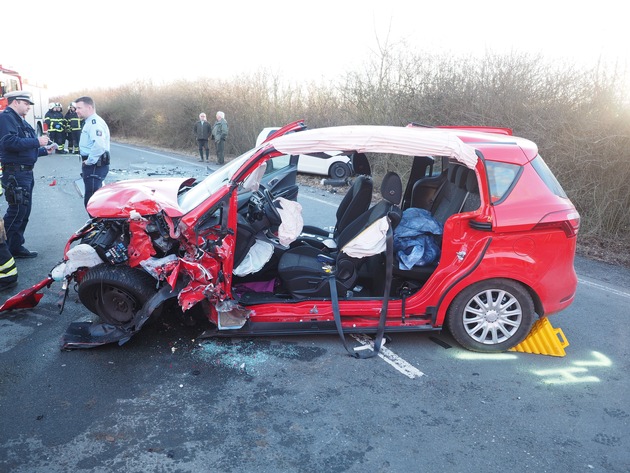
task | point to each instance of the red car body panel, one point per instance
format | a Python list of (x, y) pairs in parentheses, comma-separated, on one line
[(146, 196)]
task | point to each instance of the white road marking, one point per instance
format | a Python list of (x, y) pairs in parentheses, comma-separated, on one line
[(605, 288), (161, 155), (390, 357)]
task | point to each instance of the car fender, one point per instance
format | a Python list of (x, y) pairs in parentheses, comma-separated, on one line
[(501, 264)]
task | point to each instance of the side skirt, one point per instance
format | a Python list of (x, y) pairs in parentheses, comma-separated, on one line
[(251, 329)]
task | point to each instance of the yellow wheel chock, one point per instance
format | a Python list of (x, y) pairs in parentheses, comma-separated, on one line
[(543, 339)]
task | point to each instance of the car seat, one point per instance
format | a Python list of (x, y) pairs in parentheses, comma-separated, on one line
[(356, 201), (305, 270)]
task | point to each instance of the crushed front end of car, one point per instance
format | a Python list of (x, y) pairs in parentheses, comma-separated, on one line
[(125, 266)]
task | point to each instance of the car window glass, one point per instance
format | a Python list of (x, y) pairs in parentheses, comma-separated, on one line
[(279, 162), (202, 190), (440, 164), (501, 176), (547, 176)]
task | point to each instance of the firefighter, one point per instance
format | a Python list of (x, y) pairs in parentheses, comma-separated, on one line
[(55, 123), (8, 269), (73, 128)]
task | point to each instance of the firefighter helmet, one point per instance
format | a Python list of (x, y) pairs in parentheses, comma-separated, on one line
[(51, 105)]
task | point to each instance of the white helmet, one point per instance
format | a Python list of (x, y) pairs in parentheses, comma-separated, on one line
[(51, 105)]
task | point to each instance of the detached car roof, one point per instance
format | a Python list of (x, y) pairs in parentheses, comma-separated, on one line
[(411, 141)]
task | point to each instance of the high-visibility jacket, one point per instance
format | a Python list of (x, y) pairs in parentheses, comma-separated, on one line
[(55, 122), (73, 122)]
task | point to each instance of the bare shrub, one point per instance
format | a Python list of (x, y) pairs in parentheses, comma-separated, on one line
[(579, 119)]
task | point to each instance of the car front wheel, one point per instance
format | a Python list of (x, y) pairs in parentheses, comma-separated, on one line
[(339, 170), (115, 293), (491, 316)]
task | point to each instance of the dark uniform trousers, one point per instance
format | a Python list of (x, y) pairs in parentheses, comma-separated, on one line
[(93, 177), (18, 183)]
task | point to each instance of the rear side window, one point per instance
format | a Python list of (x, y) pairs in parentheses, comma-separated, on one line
[(501, 178), (439, 165), (547, 176)]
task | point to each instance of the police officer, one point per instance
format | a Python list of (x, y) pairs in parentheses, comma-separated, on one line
[(19, 149), (73, 128), (93, 146), (55, 124)]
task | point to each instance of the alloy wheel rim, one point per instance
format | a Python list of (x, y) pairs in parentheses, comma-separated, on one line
[(492, 316)]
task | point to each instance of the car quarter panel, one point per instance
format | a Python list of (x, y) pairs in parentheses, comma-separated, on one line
[(527, 203)]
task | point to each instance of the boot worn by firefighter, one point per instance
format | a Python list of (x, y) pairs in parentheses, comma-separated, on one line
[(24, 253)]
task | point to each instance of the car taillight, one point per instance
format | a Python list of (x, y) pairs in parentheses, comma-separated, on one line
[(566, 220)]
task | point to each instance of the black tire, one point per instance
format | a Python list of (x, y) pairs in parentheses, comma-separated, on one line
[(339, 170), (115, 293), (491, 316)]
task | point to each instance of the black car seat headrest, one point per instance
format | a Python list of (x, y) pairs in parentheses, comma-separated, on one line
[(391, 188)]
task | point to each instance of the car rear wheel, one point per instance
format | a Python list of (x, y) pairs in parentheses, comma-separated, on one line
[(115, 293), (339, 170), (491, 316)]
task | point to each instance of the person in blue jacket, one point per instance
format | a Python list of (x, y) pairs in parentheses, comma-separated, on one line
[(19, 149)]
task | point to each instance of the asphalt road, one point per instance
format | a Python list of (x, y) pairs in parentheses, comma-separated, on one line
[(166, 402)]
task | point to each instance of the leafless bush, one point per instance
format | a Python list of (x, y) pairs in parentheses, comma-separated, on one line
[(579, 119)]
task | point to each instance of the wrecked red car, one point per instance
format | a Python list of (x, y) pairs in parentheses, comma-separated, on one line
[(480, 238)]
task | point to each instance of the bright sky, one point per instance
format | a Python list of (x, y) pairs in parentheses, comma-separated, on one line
[(91, 44)]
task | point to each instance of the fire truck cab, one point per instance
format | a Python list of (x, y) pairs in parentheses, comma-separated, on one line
[(11, 81)]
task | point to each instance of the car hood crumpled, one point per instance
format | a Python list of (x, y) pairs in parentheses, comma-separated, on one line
[(145, 196)]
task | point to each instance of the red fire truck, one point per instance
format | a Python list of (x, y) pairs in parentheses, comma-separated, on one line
[(10, 81)]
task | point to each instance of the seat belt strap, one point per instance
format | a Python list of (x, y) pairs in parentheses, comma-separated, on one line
[(380, 332), (389, 266), (332, 281)]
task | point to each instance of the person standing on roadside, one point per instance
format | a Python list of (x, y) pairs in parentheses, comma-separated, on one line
[(55, 125), (19, 149), (73, 129), (219, 134), (202, 131), (8, 269), (94, 147)]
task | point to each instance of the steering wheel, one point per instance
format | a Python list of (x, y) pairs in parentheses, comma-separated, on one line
[(270, 209)]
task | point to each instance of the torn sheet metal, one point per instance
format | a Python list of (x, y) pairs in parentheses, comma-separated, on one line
[(231, 315), (160, 268), (28, 298), (140, 246)]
